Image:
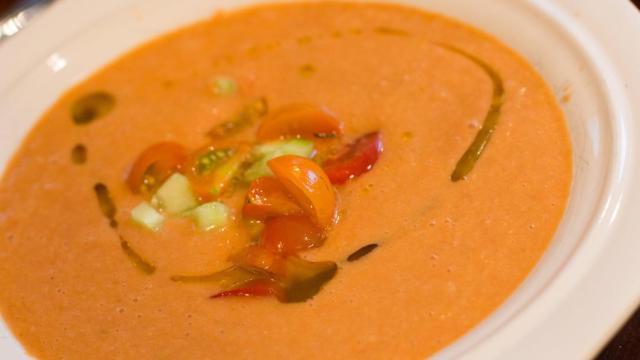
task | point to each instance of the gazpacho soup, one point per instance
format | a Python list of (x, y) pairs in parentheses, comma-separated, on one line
[(307, 180)]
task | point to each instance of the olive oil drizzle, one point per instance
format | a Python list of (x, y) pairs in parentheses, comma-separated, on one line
[(92, 106), (79, 154), (480, 142), (362, 252), (109, 210), (107, 206), (136, 259)]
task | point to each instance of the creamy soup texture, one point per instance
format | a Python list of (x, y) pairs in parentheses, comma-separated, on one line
[(449, 252)]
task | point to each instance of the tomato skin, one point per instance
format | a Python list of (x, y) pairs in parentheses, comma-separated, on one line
[(358, 158), (300, 120), (200, 180), (289, 235), (251, 289), (210, 183), (309, 185), (157, 162), (266, 198)]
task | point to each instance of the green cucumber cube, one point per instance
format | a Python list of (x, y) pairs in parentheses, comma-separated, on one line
[(211, 216), (145, 215), (175, 195)]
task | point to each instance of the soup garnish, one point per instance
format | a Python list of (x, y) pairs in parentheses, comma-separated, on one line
[(106, 204), (136, 259), (362, 252), (79, 154), (91, 107), (289, 195), (480, 142)]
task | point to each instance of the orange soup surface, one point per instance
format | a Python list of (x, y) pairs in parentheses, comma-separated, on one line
[(299, 181)]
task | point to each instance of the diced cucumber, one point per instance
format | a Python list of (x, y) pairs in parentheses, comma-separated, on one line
[(145, 215), (175, 195), (211, 215), (271, 150), (300, 147)]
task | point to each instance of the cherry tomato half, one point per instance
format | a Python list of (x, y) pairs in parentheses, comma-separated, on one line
[(211, 169), (309, 185), (300, 120), (154, 165), (201, 168), (266, 198), (291, 234), (358, 158)]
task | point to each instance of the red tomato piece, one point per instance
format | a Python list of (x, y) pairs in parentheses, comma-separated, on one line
[(300, 120), (251, 289), (290, 234), (358, 158), (309, 185), (154, 165), (266, 198)]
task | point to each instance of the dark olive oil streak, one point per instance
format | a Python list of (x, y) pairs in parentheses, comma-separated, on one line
[(136, 259), (480, 142), (362, 252), (385, 30), (301, 291), (91, 107), (107, 207), (79, 154)]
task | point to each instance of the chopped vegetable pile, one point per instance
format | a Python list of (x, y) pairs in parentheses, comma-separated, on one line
[(287, 175)]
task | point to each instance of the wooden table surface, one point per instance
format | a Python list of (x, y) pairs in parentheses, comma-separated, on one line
[(626, 343)]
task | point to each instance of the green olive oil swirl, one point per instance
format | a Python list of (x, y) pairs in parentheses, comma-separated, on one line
[(136, 259), (107, 207), (480, 142), (109, 210), (91, 107)]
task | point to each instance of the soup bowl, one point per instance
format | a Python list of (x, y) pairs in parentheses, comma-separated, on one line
[(584, 286)]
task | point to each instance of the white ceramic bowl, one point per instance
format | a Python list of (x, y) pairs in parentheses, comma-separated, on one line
[(587, 283)]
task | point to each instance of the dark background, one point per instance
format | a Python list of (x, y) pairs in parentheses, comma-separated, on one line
[(624, 346)]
